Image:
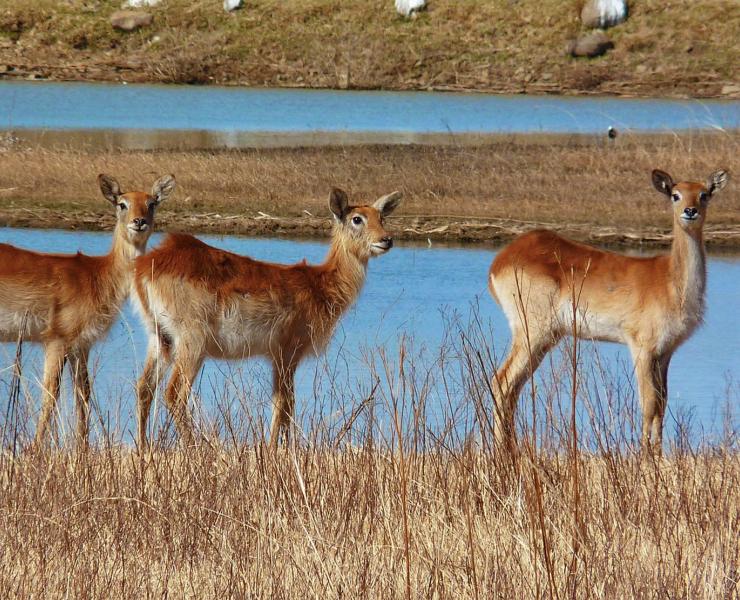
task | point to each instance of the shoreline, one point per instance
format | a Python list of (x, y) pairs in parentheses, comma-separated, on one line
[(77, 74), (466, 232)]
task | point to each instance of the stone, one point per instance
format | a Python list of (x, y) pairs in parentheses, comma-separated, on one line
[(232, 5), (130, 20), (140, 3), (590, 45), (603, 13), (408, 8)]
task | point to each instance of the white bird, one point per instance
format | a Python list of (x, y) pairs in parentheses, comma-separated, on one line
[(140, 3), (611, 12), (231, 5), (408, 7)]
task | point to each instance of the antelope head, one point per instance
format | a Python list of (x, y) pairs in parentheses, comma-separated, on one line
[(361, 227), (135, 210), (690, 199)]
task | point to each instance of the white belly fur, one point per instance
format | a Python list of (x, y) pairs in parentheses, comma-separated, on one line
[(591, 325)]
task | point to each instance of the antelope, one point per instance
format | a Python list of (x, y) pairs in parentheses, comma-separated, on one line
[(545, 282), (199, 301), (67, 302)]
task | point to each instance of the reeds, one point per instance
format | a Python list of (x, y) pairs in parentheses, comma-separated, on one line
[(455, 193), (391, 488)]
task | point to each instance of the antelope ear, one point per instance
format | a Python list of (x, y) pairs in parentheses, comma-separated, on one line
[(663, 182), (338, 203), (385, 205), (716, 181), (110, 188), (162, 188)]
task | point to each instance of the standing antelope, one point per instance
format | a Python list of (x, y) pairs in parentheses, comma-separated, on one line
[(650, 304), (69, 301), (199, 301)]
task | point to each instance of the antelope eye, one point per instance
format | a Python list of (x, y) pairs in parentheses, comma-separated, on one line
[(357, 220), (676, 196), (122, 206), (702, 197)]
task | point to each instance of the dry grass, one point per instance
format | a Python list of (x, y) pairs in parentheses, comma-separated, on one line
[(392, 489), (328, 524), (678, 48), (384, 503), (454, 193)]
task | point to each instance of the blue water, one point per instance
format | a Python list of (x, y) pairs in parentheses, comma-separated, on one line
[(412, 291), (52, 105)]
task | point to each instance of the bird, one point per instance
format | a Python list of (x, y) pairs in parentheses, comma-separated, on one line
[(140, 3), (611, 133), (232, 5), (408, 8)]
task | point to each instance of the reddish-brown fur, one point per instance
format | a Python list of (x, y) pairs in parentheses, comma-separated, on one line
[(199, 301), (650, 304), (68, 302)]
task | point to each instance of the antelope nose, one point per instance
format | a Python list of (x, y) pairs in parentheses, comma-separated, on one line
[(388, 241), (139, 222), (690, 212)]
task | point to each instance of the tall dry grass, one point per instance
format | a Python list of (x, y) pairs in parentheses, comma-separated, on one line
[(568, 184), (391, 489)]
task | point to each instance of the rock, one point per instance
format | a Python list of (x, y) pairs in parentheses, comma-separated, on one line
[(407, 8), (232, 5), (140, 3), (130, 20), (603, 13), (591, 44)]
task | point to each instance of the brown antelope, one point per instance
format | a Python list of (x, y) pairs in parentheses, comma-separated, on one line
[(67, 302), (650, 304), (199, 301)]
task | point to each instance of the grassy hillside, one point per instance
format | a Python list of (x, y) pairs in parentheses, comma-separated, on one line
[(684, 47)]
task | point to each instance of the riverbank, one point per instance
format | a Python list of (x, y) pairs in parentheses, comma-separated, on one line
[(502, 47), (599, 192)]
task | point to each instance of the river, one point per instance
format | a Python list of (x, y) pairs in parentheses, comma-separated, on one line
[(156, 116), (425, 296)]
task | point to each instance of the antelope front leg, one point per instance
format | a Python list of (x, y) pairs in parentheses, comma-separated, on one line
[(81, 380), (178, 391), (649, 373), (54, 357), (283, 401), (157, 360), (661, 386)]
